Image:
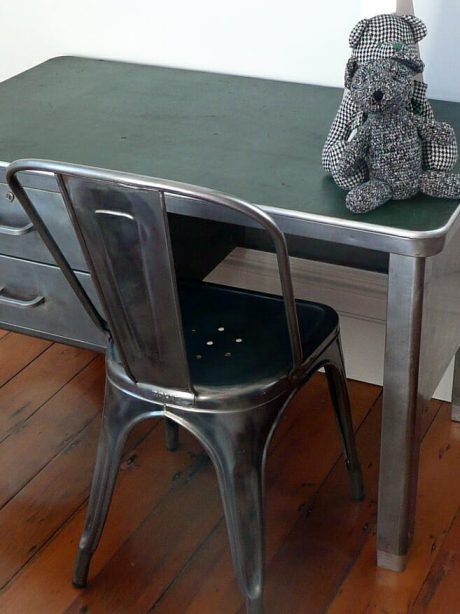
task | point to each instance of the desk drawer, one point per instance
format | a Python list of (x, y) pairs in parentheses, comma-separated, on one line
[(37, 299), (198, 245), (18, 237)]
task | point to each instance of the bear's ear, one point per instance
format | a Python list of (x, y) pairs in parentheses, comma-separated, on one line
[(357, 32), (414, 64), (351, 68), (417, 26)]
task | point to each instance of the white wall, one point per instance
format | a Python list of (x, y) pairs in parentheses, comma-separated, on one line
[(297, 40), (440, 50), (293, 40)]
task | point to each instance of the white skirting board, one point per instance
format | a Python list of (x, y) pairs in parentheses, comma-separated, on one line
[(358, 296)]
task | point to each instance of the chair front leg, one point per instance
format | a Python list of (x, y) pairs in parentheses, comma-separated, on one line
[(120, 414), (455, 416), (237, 444), (241, 485)]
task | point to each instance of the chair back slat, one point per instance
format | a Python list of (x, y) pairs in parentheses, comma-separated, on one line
[(125, 237)]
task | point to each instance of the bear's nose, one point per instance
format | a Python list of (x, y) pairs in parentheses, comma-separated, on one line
[(377, 95)]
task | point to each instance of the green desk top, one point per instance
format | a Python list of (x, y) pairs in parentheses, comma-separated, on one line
[(260, 140)]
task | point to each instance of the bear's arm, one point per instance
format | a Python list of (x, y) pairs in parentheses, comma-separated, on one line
[(355, 150), (419, 103), (435, 132), (339, 132)]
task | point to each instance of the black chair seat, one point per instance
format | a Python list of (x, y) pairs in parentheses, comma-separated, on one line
[(236, 337)]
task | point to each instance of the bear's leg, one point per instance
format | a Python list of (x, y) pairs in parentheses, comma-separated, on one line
[(368, 196), (348, 182), (440, 184)]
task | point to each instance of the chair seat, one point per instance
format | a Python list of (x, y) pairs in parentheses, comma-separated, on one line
[(236, 337)]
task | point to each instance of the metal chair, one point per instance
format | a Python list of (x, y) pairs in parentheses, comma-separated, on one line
[(221, 362)]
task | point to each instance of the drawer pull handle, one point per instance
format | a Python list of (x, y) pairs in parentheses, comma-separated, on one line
[(16, 231), (16, 302)]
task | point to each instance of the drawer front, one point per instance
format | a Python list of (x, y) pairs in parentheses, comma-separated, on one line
[(37, 298), (18, 237)]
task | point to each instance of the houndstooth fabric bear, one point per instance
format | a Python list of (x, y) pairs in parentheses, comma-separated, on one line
[(390, 140), (383, 36)]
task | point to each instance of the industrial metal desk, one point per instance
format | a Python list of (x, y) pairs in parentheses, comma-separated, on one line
[(257, 139)]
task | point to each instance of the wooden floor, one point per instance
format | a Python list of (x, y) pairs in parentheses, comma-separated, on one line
[(165, 549)]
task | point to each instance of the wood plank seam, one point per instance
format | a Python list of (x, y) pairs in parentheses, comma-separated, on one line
[(25, 366), (82, 505), (187, 564), (66, 383)]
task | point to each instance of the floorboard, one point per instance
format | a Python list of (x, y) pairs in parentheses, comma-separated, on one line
[(165, 548)]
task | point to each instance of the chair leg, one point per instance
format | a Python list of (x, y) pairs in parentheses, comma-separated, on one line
[(171, 434), (115, 428), (335, 372), (237, 443), (241, 485)]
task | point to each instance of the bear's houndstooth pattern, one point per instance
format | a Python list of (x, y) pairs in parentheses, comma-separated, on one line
[(380, 37), (383, 31), (390, 140)]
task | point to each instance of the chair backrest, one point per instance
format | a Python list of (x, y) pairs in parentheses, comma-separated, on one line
[(121, 222)]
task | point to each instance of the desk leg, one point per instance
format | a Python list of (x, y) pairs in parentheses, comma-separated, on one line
[(401, 408), (456, 390)]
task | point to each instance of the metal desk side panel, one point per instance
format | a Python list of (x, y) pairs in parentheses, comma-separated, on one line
[(441, 315)]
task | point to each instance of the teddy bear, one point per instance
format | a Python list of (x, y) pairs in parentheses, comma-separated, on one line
[(390, 141), (383, 36)]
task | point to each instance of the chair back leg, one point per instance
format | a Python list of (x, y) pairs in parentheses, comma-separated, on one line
[(171, 435), (335, 372)]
